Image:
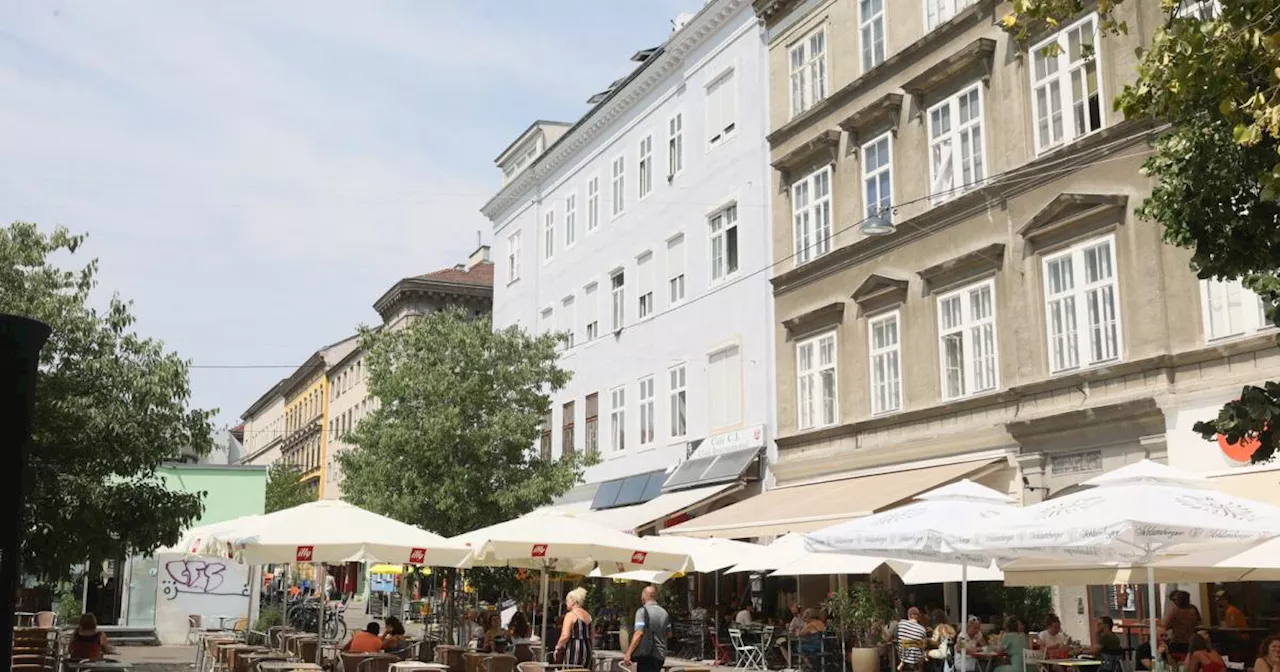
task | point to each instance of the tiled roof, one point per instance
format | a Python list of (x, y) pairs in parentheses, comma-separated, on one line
[(480, 274)]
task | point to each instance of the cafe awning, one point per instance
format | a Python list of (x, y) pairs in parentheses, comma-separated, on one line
[(813, 506), (639, 516)]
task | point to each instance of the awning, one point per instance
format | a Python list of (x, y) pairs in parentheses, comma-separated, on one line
[(805, 508), (1262, 485), (639, 516)]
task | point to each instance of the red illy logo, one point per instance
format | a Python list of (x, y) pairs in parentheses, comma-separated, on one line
[(417, 556), (539, 551), (638, 557), (305, 553)]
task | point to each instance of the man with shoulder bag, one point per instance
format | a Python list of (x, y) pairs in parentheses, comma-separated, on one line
[(648, 646)]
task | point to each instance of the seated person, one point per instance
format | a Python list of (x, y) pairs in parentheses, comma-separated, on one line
[(1202, 657), (1108, 641), (393, 639), (365, 641), (496, 638), (1013, 643), (87, 642), (810, 636), (1052, 637), (1143, 658)]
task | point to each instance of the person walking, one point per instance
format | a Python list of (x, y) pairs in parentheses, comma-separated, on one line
[(648, 647)]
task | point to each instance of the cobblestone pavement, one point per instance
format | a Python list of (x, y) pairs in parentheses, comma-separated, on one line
[(158, 658)]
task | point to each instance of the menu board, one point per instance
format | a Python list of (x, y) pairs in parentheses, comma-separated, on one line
[(396, 605)]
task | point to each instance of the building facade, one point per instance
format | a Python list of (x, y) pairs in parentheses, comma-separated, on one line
[(264, 427), (306, 413), (638, 233)]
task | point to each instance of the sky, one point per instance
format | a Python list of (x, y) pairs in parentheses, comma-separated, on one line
[(253, 175)]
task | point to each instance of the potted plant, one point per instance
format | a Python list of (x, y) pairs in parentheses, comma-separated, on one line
[(860, 615)]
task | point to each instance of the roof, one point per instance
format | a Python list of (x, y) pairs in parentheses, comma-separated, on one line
[(276, 390), (480, 274), (476, 281), (537, 125)]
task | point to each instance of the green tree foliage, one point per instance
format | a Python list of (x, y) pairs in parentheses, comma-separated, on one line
[(459, 407), (284, 490), (1215, 79), (111, 406)]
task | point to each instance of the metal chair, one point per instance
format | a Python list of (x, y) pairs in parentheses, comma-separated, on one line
[(747, 655)]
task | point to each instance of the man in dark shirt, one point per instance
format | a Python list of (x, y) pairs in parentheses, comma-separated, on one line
[(1145, 661)]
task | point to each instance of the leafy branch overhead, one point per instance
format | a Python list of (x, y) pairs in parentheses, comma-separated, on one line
[(1212, 73), (284, 488), (111, 407), (458, 410)]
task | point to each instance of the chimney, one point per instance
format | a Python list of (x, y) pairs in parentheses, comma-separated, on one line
[(481, 255)]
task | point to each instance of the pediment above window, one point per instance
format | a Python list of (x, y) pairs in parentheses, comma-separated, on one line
[(820, 150), (830, 315), (880, 291), (971, 61), (884, 112), (968, 266), (1074, 215)]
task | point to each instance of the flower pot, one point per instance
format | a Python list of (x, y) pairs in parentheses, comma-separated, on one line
[(864, 660)]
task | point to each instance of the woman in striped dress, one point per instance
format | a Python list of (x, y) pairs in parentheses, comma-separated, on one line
[(574, 647)]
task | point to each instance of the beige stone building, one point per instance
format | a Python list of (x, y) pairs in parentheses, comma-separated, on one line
[(1016, 324)]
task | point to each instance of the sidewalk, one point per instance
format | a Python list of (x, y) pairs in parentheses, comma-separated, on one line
[(157, 658)]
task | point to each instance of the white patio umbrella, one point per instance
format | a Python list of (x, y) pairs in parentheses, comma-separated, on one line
[(924, 530), (779, 553), (1136, 515), (566, 544)]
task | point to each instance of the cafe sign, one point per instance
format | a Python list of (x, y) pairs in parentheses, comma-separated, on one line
[(743, 439)]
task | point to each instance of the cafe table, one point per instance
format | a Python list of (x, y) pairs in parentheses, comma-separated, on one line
[(285, 666), (1067, 662)]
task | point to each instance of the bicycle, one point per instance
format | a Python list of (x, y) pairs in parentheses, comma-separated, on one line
[(305, 616)]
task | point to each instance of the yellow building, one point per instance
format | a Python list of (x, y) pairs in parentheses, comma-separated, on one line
[(306, 414)]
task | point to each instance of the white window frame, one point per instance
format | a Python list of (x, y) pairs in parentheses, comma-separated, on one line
[(675, 145), (891, 355), (678, 396), (618, 419), (618, 183), (807, 61), (1252, 316), (811, 216), (546, 320), (591, 301), (722, 108), (1061, 81), (676, 270), (976, 376), (645, 306), (1085, 357), (716, 390), (811, 399), (867, 24), (882, 205), (956, 136), (570, 220), (548, 235), (647, 421), (723, 248), (593, 203), (617, 300), (568, 318), (513, 257), (645, 167), (938, 12)]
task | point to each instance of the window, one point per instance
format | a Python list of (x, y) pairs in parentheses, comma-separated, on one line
[(591, 442), (644, 283), (816, 381), (566, 430), (967, 340), (722, 109), (619, 183), (544, 321), (877, 176), (646, 411), (545, 445), (1230, 309), (570, 220), (678, 394), (645, 167), (808, 71), (724, 388), (811, 206), (593, 203), (591, 312), (886, 367), (1070, 73), (618, 289), (1081, 307), (724, 243), (871, 13), (675, 270), (955, 145), (618, 419), (513, 257), (567, 321), (1201, 10), (549, 235), (675, 145), (938, 12)]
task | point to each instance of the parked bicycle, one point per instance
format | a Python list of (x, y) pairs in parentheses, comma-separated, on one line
[(305, 616)]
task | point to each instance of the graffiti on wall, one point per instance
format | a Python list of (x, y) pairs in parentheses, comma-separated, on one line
[(197, 576)]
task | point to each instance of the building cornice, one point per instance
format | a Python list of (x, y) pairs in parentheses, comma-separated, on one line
[(410, 286), (276, 390), (596, 122)]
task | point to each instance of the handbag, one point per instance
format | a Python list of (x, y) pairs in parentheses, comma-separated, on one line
[(645, 649)]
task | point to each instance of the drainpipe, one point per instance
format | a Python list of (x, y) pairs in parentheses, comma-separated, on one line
[(21, 340)]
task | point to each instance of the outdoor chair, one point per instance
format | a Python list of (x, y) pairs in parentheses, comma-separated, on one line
[(766, 643), (501, 662), (452, 656), (747, 655), (46, 619), (1031, 659), (532, 666), (306, 649), (474, 662), (367, 662)]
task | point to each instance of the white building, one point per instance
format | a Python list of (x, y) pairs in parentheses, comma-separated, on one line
[(642, 232), (264, 427)]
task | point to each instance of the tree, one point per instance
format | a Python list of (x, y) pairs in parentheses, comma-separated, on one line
[(284, 489), (459, 407), (1213, 74), (111, 407)]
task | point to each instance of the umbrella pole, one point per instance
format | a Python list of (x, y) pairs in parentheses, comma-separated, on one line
[(1151, 606), (542, 599), (964, 610), (324, 611)]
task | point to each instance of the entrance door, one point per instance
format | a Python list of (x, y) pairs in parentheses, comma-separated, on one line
[(143, 582)]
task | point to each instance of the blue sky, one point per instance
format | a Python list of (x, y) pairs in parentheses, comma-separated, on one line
[(253, 175)]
